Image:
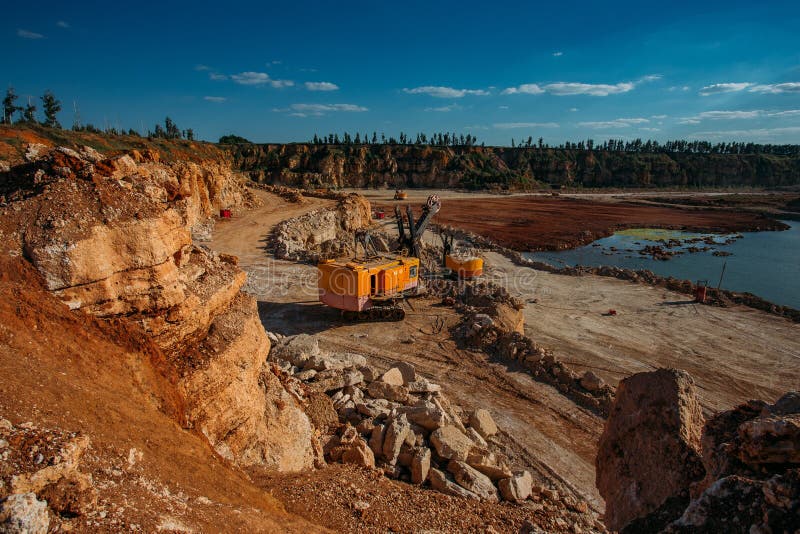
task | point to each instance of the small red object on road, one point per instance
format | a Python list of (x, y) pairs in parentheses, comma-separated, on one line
[(610, 313)]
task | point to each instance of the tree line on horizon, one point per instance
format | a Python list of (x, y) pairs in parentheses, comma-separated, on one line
[(51, 106), (636, 146)]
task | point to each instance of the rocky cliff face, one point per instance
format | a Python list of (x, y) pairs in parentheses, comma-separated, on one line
[(660, 469), (113, 237), (310, 166)]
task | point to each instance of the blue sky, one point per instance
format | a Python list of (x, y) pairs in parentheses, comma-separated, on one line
[(281, 71)]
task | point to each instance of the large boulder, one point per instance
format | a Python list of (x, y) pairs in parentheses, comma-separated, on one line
[(407, 370), (392, 377), (488, 463), (451, 443), (397, 431), (441, 483), (334, 379), (420, 466), (770, 440), (358, 453), (517, 487), (23, 513), (732, 505), (427, 415), (481, 420), (473, 480), (383, 390), (297, 349), (649, 449)]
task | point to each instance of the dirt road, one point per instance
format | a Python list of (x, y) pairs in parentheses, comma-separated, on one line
[(543, 431)]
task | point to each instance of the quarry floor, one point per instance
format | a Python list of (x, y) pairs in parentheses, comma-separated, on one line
[(733, 353)]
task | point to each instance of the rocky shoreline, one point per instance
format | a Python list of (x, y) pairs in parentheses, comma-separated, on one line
[(714, 297)]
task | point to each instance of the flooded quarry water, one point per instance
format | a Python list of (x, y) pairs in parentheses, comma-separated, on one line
[(766, 264)]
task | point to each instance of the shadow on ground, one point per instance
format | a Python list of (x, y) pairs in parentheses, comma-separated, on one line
[(291, 318)]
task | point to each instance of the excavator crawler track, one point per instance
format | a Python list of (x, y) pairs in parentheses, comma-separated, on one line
[(376, 314)]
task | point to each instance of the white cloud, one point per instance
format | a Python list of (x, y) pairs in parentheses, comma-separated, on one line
[(734, 115), (729, 87), (62, 24), (202, 68), (616, 123), (445, 109), (502, 107), (218, 99), (750, 134), (321, 86), (724, 115), (678, 88), (259, 78), (298, 115), (250, 78), (649, 78), (526, 88), (574, 88), (658, 116), (558, 54), (650, 129), (25, 34), (279, 84), (513, 125), (216, 76), (569, 88), (322, 108), (777, 88), (444, 92), (574, 110)]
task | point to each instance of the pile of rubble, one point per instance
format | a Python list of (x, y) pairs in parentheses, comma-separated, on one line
[(492, 322), (662, 468), (323, 233), (401, 423)]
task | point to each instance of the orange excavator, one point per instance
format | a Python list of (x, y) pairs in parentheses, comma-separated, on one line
[(372, 288)]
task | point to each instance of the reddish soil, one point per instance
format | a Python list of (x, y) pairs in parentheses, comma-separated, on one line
[(549, 223), (351, 499), (68, 373)]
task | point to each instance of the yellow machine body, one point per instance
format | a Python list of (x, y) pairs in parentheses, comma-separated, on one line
[(465, 267), (356, 286)]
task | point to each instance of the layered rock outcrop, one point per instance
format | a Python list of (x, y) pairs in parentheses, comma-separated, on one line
[(660, 470), (113, 237), (311, 166)]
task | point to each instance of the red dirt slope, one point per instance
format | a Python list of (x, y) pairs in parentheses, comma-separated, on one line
[(66, 372), (547, 223)]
